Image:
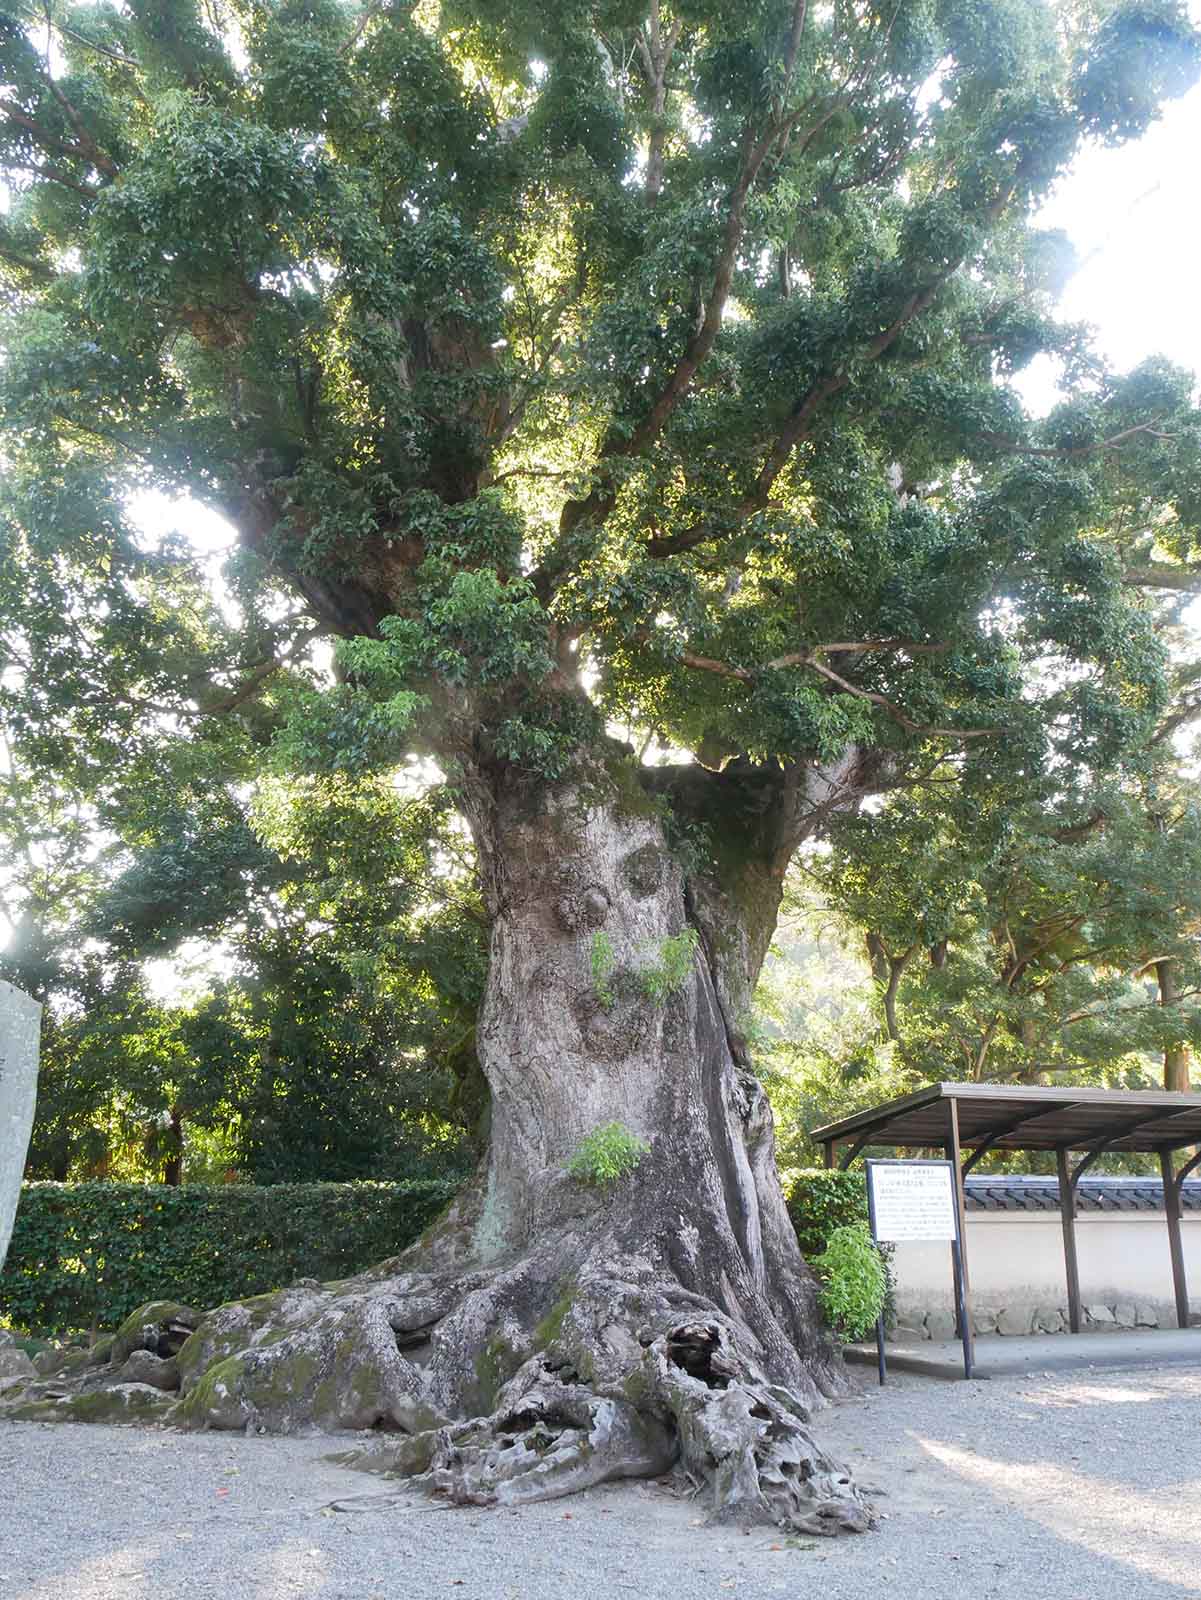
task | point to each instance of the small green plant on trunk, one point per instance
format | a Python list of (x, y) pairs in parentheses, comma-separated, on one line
[(672, 967), (666, 973), (602, 960), (607, 1154)]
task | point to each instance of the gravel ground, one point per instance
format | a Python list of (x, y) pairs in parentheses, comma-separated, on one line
[(1084, 1487)]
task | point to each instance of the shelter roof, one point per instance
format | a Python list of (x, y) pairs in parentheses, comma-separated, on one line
[(1013, 1117)]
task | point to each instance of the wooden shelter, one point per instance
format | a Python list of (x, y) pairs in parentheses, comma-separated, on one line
[(968, 1120)]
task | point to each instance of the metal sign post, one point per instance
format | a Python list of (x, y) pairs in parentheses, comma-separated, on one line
[(915, 1200)]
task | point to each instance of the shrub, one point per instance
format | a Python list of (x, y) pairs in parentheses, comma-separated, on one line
[(853, 1281), (86, 1255), (607, 1154), (820, 1201)]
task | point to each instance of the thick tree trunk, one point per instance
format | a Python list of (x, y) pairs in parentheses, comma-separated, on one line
[(1176, 1056), (173, 1158), (586, 869), (551, 1332)]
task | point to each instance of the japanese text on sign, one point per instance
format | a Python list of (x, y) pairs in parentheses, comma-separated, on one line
[(912, 1200)]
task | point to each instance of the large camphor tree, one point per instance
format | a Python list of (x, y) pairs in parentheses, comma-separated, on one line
[(623, 388)]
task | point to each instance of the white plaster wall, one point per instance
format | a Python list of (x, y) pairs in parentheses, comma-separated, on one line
[(1017, 1258)]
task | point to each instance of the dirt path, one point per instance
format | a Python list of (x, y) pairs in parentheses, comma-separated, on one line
[(1084, 1488)]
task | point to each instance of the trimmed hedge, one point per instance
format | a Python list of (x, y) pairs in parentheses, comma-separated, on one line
[(85, 1255), (820, 1201)]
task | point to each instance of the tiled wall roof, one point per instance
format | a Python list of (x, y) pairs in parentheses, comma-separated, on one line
[(986, 1193)]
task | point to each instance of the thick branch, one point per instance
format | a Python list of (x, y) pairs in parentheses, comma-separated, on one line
[(655, 54), (1080, 830), (82, 149), (894, 711), (800, 11), (857, 648), (1187, 712), (896, 970), (754, 152), (57, 175), (600, 502), (257, 677), (1161, 575), (86, 146)]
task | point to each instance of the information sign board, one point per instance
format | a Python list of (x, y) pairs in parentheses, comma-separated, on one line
[(911, 1200)]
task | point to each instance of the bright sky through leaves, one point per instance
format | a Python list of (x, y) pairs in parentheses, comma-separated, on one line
[(1134, 216)]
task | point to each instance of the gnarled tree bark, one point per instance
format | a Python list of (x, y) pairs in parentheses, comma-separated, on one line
[(550, 1332)]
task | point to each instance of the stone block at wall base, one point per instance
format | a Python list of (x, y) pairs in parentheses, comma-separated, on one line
[(940, 1325), (1022, 1319), (1015, 1321)]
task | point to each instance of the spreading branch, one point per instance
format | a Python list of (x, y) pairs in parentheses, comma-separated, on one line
[(1188, 711), (85, 145), (83, 149), (257, 676), (56, 175), (802, 419), (1015, 447), (754, 151), (811, 660)]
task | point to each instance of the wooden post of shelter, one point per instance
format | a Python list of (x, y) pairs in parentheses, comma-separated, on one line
[(1171, 1206), (1067, 1213), (959, 1252), (1173, 1192)]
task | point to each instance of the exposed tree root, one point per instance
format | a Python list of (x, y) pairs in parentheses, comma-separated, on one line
[(567, 1381), (744, 1441), (690, 1403), (547, 1440)]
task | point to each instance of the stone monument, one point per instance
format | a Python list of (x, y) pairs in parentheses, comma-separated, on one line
[(20, 1025)]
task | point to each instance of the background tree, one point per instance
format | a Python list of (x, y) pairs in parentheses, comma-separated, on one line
[(581, 363), (1008, 946), (327, 1045), (339, 1041)]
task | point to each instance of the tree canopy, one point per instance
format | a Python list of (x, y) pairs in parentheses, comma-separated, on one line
[(517, 338), (568, 366)]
